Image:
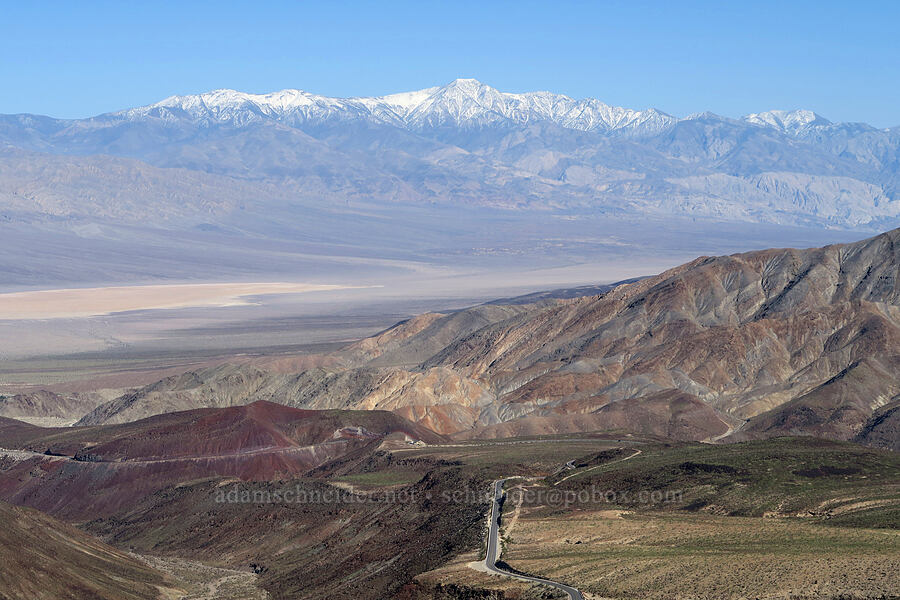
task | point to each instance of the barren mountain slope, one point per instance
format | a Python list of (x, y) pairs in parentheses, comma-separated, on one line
[(359, 547), (378, 372), (44, 558), (80, 472), (744, 333), (776, 341), (46, 404), (883, 428)]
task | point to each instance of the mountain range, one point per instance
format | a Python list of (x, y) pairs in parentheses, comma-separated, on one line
[(462, 104), (752, 345), (424, 176)]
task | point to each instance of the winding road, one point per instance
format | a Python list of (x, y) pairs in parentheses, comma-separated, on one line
[(493, 544)]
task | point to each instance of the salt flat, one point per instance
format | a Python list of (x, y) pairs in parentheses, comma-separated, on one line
[(88, 302)]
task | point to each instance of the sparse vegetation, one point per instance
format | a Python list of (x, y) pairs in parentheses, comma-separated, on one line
[(378, 479), (806, 477), (198, 581), (668, 555), (788, 517)]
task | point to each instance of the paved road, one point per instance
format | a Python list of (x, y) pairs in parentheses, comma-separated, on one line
[(490, 559)]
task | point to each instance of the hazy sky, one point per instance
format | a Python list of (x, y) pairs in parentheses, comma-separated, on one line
[(841, 59)]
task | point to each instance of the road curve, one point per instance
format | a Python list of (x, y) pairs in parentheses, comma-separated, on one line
[(493, 542)]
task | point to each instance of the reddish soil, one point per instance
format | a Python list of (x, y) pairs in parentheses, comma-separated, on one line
[(84, 472)]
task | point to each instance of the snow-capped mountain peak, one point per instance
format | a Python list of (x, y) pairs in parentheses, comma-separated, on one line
[(404, 101), (462, 103), (468, 144), (223, 100), (790, 122)]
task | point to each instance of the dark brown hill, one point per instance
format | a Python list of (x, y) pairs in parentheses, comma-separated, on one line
[(80, 472), (345, 548), (883, 428), (44, 558)]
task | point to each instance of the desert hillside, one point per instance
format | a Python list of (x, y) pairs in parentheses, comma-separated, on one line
[(79, 473), (44, 558), (780, 341)]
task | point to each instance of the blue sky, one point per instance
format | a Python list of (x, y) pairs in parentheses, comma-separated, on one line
[(841, 59)]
